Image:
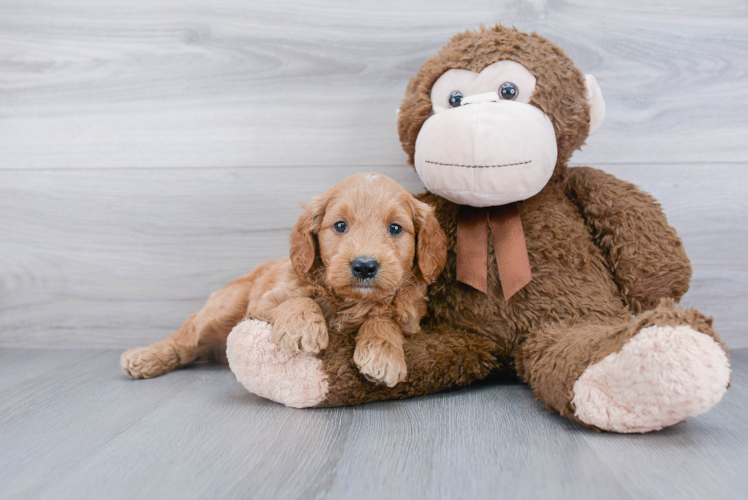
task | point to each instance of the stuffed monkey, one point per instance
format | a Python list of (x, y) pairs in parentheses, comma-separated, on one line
[(568, 277)]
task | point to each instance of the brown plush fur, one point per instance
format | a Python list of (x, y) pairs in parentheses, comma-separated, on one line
[(600, 250), (313, 288), (648, 277)]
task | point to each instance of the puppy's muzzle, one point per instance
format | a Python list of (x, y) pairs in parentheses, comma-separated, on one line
[(364, 268)]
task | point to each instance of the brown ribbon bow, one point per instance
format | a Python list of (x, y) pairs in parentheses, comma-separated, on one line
[(508, 242)]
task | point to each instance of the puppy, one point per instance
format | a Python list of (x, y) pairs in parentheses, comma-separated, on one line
[(362, 255)]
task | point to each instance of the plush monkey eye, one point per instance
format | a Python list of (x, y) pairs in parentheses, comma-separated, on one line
[(395, 229), (508, 91), (340, 227), (455, 99)]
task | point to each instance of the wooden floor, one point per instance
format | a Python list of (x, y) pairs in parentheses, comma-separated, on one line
[(72, 426)]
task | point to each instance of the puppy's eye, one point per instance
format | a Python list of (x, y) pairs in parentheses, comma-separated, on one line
[(340, 227), (395, 230), (508, 91), (455, 98)]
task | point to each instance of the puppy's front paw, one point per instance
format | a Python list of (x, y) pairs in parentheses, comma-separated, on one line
[(149, 362), (380, 361), (304, 333)]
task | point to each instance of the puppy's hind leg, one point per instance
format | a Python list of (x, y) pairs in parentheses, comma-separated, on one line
[(202, 336)]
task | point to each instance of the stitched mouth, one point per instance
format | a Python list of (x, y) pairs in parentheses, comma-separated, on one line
[(478, 166)]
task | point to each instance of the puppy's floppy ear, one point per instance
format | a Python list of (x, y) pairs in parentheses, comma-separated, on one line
[(304, 236), (431, 247)]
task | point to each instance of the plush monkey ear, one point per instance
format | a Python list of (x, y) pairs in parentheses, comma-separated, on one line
[(304, 237), (596, 102), (431, 246)]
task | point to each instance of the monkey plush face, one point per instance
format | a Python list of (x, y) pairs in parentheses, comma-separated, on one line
[(486, 144), (494, 115)]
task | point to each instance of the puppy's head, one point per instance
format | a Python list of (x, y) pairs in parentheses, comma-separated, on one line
[(367, 236)]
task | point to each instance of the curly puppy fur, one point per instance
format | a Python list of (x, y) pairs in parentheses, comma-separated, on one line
[(315, 288)]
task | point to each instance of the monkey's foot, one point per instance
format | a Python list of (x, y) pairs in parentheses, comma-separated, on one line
[(661, 377), (263, 368)]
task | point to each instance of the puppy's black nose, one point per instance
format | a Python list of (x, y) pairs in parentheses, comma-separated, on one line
[(364, 267)]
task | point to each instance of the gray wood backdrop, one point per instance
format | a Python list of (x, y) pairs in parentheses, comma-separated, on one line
[(150, 151)]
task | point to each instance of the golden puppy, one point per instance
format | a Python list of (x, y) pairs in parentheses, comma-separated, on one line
[(362, 255)]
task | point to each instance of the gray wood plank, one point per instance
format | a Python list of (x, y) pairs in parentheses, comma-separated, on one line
[(120, 257), (164, 84), (18, 368), (64, 416), (86, 431), (484, 442)]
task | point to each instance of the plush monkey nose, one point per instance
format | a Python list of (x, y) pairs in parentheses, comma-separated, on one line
[(485, 97), (364, 267)]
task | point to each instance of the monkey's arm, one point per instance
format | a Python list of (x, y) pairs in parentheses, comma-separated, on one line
[(645, 254), (437, 358)]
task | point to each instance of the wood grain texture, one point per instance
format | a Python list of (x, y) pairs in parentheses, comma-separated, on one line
[(120, 258), (84, 430), (111, 84)]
